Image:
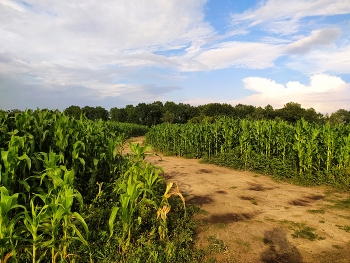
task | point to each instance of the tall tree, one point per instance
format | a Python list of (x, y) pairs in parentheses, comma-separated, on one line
[(339, 117), (242, 111), (118, 114), (291, 112), (73, 111)]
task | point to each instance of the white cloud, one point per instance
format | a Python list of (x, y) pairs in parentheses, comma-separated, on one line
[(58, 45), (70, 33), (335, 60), (317, 37), (279, 16), (235, 54), (325, 93)]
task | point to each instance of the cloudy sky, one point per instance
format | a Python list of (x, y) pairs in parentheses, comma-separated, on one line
[(111, 53)]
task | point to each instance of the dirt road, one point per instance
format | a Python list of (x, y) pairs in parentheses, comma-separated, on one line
[(248, 217)]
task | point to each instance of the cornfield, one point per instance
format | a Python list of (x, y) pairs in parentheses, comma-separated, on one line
[(55, 176), (318, 154)]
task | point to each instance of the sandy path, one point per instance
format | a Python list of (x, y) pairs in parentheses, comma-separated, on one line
[(255, 216)]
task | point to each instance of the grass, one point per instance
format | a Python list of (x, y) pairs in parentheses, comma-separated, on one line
[(316, 211), (345, 228), (342, 204), (307, 233), (245, 245), (201, 211), (337, 246), (221, 225), (301, 230)]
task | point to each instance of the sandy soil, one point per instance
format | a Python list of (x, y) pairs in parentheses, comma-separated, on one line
[(248, 217)]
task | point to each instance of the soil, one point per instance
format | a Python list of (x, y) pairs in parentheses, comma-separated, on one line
[(249, 217)]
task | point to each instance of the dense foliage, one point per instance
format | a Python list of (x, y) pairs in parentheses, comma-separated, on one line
[(68, 194), (170, 112), (306, 152)]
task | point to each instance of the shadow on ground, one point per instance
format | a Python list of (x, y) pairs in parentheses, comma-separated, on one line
[(279, 249)]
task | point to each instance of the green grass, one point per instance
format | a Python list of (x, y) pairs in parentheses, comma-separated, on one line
[(301, 230), (307, 233)]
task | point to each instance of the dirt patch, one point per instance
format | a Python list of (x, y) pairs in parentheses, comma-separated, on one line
[(262, 229)]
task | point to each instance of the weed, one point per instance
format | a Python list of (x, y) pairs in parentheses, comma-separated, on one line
[(233, 187), (216, 245), (322, 221)]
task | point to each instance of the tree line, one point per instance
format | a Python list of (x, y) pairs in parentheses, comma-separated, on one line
[(170, 112)]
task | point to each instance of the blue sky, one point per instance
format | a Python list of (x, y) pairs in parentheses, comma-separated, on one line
[(111, 53)]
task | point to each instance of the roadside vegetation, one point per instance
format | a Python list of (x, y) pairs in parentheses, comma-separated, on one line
[(307, 153), (68, 194)]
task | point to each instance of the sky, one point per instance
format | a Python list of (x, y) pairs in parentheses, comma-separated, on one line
[(111, 53)]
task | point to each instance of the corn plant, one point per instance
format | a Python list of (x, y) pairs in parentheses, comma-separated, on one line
[(10, 214), (164, 208)]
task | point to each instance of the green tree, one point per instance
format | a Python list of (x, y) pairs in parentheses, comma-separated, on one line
[(101, 113), (291, 112), (269, 113), (217, 109), (73, 111), (339, 117), (242, 111), (118, 114)]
